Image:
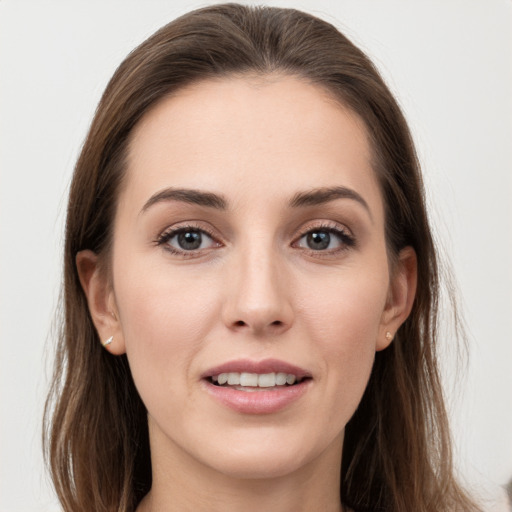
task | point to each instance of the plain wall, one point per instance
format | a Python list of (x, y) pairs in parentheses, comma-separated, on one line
[(450, 64)]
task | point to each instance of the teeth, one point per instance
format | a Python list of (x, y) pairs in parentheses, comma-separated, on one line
[(233, 379), (280, 379), (290, 379), (248, 379), (267, 380), (262, 380)]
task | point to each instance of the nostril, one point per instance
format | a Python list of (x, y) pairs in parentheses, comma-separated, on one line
[(259, 325)]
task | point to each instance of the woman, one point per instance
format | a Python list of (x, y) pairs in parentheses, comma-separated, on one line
[(247, 239)]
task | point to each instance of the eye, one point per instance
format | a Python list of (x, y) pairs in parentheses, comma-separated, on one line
[(186, 239), (326, 238)]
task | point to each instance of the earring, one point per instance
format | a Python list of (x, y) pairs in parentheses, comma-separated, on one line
[(389, 336), (108, 342)]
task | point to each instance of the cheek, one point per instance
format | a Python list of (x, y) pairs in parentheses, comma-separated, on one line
[(343, 321), (347, 309), (164, 320)]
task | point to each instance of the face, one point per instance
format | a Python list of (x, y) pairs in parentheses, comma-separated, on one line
[(249, 246)]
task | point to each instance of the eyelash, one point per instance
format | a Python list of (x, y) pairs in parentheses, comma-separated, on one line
[(169, 234), (347, 241)]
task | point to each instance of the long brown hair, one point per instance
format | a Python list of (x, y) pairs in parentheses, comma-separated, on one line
[(396, 454)]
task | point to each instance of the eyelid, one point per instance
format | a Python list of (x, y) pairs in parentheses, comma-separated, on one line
[(326, 225), (347, 239), (345, 235), (171, 231)]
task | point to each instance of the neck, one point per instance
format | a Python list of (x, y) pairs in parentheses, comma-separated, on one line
[(181, 483)]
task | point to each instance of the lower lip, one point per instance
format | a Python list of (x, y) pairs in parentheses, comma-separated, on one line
[(257, 402)]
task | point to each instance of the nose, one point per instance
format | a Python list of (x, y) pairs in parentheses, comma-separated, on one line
[(258, 298)]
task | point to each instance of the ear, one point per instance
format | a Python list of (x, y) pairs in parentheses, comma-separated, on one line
[(402, 290), (101, 301)]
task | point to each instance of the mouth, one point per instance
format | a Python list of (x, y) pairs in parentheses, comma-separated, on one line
[(257, 387), (250, 382)]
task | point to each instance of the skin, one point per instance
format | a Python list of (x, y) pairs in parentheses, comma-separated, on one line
[(254, 290)]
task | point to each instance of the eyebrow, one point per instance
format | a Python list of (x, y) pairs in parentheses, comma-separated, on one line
[(313, 197), (324, 195), (186, 195)]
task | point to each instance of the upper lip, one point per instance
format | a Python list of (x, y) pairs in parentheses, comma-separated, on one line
[(249, 366)]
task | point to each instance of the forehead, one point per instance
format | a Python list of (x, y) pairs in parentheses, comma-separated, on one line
[(250, 135)]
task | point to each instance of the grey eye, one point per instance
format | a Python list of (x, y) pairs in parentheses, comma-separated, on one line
[(320, 240), (190, 240)]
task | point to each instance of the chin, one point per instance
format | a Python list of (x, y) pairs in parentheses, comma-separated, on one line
[(266, 454), (259, 466)]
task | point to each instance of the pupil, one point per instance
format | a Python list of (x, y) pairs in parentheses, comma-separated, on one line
[(189, 240), (318, 240)]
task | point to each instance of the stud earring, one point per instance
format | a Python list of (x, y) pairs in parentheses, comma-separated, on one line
[(108, 342), (389, 336)]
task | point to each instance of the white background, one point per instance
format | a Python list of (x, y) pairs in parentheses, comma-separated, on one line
[(450, 64)]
